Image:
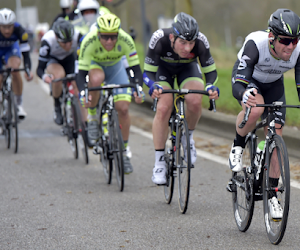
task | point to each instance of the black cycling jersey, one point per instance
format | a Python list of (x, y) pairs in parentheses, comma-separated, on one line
[(163, 64)]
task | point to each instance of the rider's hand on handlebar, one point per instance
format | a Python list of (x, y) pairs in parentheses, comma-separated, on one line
[(139, 99), (155, 91), (28, 78), (213, 91), (81, 96), (249, 98), (47, 78)]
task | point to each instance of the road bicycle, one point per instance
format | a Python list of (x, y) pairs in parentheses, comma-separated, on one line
[(178, 164), (9, 110), (74, 126), (253, 183), (110, 145)]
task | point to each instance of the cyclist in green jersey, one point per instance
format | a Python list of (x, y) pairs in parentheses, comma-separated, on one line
[(100, 59)]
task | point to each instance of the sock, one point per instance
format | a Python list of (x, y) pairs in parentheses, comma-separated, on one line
[(125, 144), (273, 183), (18, 100), (191, 134), (159, 157), (239, 140), (92, 114), (56, 102)]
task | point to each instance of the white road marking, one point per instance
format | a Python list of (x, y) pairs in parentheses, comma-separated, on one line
[(201, 153)]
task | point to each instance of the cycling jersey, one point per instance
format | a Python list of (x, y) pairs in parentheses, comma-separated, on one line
[(50, 49), (94, 55), (18, 41), (256, 64), (161, 56)]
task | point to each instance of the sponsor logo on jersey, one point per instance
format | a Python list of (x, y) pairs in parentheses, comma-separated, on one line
[(210, 61), (87, 43), (24, 37), (127, 41), (243, 63), (44, 50), (119, 47), (155, 37), (169, 53), (149, 60), (267, 59), (162, 78), (203, 38)]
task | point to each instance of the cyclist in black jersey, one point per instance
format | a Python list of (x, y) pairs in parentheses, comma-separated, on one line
[(57, 58), (173, 54), (257, 78)]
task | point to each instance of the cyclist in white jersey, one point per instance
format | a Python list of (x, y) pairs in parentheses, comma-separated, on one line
[(57, 57), (257, 78)]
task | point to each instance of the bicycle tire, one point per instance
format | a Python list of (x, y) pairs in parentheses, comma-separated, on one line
[(117, 147), (13, 123), (183, 165), (6, 119), (169, 159), (243, 194), (80, 131), (105, 155), (71, 126), (276, 228)]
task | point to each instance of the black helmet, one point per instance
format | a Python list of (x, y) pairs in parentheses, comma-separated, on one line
[(185, 27), (284, 22), (64, 30)]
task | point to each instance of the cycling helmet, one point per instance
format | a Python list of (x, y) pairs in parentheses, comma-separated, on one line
[(284, 22), (108, 23), (185, 27), (66, 4), (7, 17), (88, 5), (63, 29)]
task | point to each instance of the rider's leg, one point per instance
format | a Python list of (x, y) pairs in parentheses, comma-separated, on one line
[(57, 71)]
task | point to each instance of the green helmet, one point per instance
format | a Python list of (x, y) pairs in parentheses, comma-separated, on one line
[(108, 23), (103, 10), (63, 29)]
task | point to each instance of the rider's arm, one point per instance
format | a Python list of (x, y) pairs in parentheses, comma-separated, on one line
[(137, 75), (24, 45), (81, 79), (44, 55), (297, 76), (206, 60), (245, 69)]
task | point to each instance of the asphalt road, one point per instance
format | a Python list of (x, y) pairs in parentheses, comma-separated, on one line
[(49, 200)]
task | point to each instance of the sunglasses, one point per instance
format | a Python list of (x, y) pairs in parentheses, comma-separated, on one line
[(107, 37), (62, 41), (287, 41)]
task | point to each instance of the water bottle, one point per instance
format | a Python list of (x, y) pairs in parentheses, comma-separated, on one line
[(68, 110), (259, 152), (104, 124)]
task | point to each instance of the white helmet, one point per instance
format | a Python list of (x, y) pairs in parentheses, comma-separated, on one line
[(88, 5), (66, 4), (7, 16)]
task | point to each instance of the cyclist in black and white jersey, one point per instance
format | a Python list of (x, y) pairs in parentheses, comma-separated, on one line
[(57, 56), (173, 53), (262, 60)]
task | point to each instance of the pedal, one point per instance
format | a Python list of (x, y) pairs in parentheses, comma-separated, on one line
[(192, 166), (231, 187)]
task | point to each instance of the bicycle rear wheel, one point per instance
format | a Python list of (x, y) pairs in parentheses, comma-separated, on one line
[(183, 164), (116, 140), (169, 158), (276, 227), (243, 194)]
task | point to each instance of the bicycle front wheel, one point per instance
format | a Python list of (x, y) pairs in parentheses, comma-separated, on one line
[(169, 159), (72, 128), (116, 140), (183, 165), (279, 167), (243, 195)]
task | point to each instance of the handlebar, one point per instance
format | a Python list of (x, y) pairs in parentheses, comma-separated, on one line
[(9, 70), (212, 102), (68, 77), (273, 106)]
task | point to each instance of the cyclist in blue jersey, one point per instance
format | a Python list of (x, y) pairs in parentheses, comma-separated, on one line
[(13, 42)]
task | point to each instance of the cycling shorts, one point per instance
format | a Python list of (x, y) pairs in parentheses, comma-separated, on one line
[(67, 63), (116, 74), (271, 92), (175, 76), (8, 52)]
